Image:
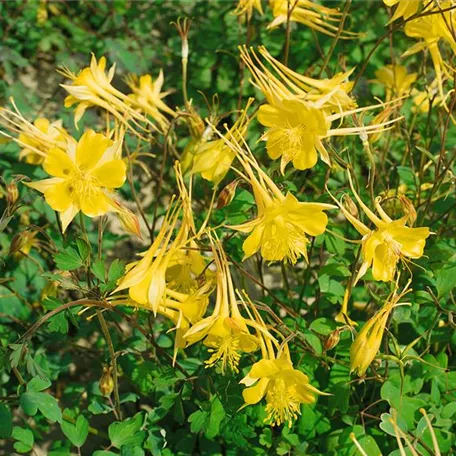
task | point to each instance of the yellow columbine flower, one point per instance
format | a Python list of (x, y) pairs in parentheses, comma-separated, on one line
[(284, 387), (213, 159), (225, 332), (311, 14), (35, 139), (83, 176), (405, 8), (283, 83), (389, 242), (432, 28), (148, 98), (92, 87), (283, 223), (396, 80), (246, 7), (367, 343), (422, 100), (299, 112)]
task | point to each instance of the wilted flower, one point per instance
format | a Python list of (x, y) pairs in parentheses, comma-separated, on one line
[(148, 98), (311, 14), (396, 80), (389, 242), (367, 343), (83, 176), (405, 8)]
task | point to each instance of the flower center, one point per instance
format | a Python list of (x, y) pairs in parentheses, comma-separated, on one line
[(282, 404), (227, 350)]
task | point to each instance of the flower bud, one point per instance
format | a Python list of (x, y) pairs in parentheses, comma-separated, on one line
[(227, 194), (408, 208), (127, 219), (332, 340), (22, 242), (12, 194), (106, 383), (350, 206)]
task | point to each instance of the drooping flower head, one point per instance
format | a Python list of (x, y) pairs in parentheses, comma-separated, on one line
[(212, 159), (246, 7), (431, 29), (225, 331), (388, 243), (404, 8), (396, 80), (35, 139), (299, 112), (311, 14), (84, 175), (92, 87), (367, 342), (148, 98)]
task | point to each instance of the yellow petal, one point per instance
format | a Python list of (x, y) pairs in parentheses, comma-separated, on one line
[(94, 204), (90, 149), (264, 368), (59, 197), (111, 174), (254, 394), (58, 163)]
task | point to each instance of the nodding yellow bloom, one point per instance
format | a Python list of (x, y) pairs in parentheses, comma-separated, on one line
[(396, 80), (146, 280), (389, 242), (283, 83), (92, 87), (35, 139), (83, 176), (246, 7), (317, 17), (299, 112), (275, 378), (213, 159), (225, 332), (148, 98), (405, 8), (367, 343), (283, 223), (430, 29), (422, 100)]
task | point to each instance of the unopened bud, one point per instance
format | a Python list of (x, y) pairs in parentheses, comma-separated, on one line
[(127, 219), (106, 383), (21, 241), (227, 194), (332, 340), (350, 206), (12, 194), (408, 208)]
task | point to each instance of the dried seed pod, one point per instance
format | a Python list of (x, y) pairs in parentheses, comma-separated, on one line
[(227, 194), (332, 340), (106, 383)]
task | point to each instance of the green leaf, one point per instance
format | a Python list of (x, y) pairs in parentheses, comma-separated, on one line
[(198, 421), (215, 418), (127, 432), (98, 269), (37, 384), (84, 249), (45, 403), (76, 433), (446, 277), (59, 322), (131, 451), (116, 270), (6, 422), (340, 401), (25, 439), (323, 326), (68, 260)]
